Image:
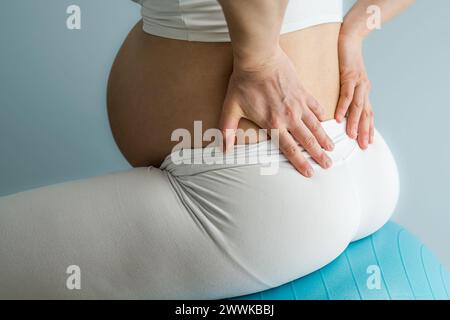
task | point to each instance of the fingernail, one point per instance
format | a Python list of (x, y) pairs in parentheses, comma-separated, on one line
[(330, 146), (309, 173), (328, 163)]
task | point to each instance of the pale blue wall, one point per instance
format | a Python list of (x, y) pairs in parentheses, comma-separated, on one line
[(53, 123)]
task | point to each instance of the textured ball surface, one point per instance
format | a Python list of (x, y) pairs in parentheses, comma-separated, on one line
[(390, 264)]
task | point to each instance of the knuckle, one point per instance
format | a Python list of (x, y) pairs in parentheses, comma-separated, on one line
[(274, 122), (368, 113), (358, 104), (289, 112), (315, 127), (291, 115), (349, 75), (347, 94), (309, 142), (290, 150)]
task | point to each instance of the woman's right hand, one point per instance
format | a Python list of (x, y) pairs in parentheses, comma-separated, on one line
[(270, 94)]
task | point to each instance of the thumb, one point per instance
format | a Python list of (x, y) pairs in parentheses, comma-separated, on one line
[(229, 121)]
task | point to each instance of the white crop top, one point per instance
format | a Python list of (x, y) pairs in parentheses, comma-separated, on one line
[(203, 20)]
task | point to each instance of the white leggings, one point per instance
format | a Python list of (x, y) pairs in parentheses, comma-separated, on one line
[(192, 231)]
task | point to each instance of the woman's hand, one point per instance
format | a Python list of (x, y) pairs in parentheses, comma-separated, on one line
[(355, 86), (270, 94), (354, 95)]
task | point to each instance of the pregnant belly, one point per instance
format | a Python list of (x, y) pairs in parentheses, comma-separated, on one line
[(159, 85)]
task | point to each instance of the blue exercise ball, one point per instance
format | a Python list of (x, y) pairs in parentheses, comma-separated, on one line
[(390, 264)]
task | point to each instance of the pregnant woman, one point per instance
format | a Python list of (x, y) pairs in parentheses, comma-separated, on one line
[(179, 226)]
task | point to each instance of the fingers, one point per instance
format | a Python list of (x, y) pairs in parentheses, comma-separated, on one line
[(371, 129), (316, 108), (345, 99), (317, 130), (302, 134), (360, 125), (355, 111), (292, 151), (364, 129), (229, 121)]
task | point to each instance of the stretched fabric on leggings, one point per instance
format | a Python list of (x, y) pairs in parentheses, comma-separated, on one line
[(194, 230)]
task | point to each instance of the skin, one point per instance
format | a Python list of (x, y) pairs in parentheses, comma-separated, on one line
[(355, 85), (265, 88), (157, 85)]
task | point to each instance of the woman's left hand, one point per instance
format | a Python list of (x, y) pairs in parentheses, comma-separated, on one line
[(354, 95)]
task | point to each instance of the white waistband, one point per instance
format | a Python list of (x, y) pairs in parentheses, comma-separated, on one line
[(192, 161)]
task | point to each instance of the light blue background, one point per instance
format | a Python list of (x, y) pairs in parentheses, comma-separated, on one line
[(54, 126)]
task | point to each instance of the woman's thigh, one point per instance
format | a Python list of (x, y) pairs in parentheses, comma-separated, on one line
[(127, 232), (221, 232), (147, 233)]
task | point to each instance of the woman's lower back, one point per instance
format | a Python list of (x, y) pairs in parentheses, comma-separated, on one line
[(158, 85)]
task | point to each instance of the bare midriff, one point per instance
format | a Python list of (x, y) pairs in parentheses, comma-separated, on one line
[(158, 85)]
